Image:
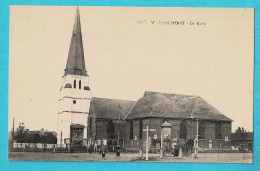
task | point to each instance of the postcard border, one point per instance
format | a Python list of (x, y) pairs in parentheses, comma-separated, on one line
[(4, 71)]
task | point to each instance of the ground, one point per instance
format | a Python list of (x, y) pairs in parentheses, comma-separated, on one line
[(202, 157)]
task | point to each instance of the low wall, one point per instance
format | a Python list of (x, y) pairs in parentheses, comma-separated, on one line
[(32, 145)]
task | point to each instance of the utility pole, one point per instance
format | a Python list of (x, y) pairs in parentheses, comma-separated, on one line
[(197, 140), (147, 140), (13, 135), (118, 127), (161, 150), (146, 153)]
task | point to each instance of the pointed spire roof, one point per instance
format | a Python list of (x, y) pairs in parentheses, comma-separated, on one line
[(76, 62)]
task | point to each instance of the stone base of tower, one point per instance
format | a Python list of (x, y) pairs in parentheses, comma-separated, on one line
[(72, 132), (73, 138)]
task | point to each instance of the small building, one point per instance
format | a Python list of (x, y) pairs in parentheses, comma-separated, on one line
[(176, 117), (42, 132), (242, 140), (105, 122)]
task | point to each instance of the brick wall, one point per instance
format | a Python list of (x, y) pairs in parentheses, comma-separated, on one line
[(155, 123)]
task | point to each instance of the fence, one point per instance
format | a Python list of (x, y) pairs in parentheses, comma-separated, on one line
[(32, 145)]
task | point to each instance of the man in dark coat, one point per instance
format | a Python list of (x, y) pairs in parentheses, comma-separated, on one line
[(44, 148), (118, 152), (103, 154)]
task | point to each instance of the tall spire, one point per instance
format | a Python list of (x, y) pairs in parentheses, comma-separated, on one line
[(76, 62)]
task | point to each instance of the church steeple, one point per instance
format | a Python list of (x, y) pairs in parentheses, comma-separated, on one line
[(76, 62), (75, 95)]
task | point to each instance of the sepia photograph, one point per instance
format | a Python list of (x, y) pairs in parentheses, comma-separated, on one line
[(131, 84)]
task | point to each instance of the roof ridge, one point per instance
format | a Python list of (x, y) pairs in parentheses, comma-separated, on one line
[(212, 107), (130, 111), (170, 93), (112, 99)]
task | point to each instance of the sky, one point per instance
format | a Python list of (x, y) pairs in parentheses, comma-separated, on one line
[(129, 50)]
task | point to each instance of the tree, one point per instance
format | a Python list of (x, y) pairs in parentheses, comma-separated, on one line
[(51, 138), (48, 138), (240, 130), (21, 135), (35, 138)]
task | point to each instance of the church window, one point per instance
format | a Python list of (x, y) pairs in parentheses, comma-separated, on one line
[(74, 83), (218, 131), (131, 129), (74, 101), (110, 130), (183, 129), (164, 120), (79, 84), (202, 130), (140, 128)]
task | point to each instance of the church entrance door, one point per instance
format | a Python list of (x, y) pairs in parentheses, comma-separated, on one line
[(76, 136)]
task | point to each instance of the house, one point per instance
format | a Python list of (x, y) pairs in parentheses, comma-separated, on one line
[(242, 140)]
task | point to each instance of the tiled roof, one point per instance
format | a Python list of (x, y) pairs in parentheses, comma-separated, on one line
[(110, 108), (155, 104)]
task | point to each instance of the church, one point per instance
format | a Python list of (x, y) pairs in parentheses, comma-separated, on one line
[(172, 118), (175, 119)]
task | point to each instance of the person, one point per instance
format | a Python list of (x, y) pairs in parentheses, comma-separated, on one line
[(103, 154), (44, 147), (175, 151), (99, 150), (118, 151), (180, 152), (140, 152), (53, 148), (95, 146)]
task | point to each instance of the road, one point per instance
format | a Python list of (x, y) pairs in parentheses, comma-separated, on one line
[(202, 157)]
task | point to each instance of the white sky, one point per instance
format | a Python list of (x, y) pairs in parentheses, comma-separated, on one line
[(124, 58)]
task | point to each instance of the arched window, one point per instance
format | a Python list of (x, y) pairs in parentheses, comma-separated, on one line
[(90, 126), (110, 130), (79, 84), (164, 120), (140, 128), (183, 129), (202, 130), (74, 83), (218, 131), (131, 129)]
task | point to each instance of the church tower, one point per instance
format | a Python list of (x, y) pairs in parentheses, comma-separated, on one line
[(75, 94)]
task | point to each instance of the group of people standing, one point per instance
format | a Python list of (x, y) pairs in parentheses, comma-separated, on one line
[(103, 152), (53, 148)]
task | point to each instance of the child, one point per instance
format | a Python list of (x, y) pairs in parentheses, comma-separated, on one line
[(103, 153), (54, 148)]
